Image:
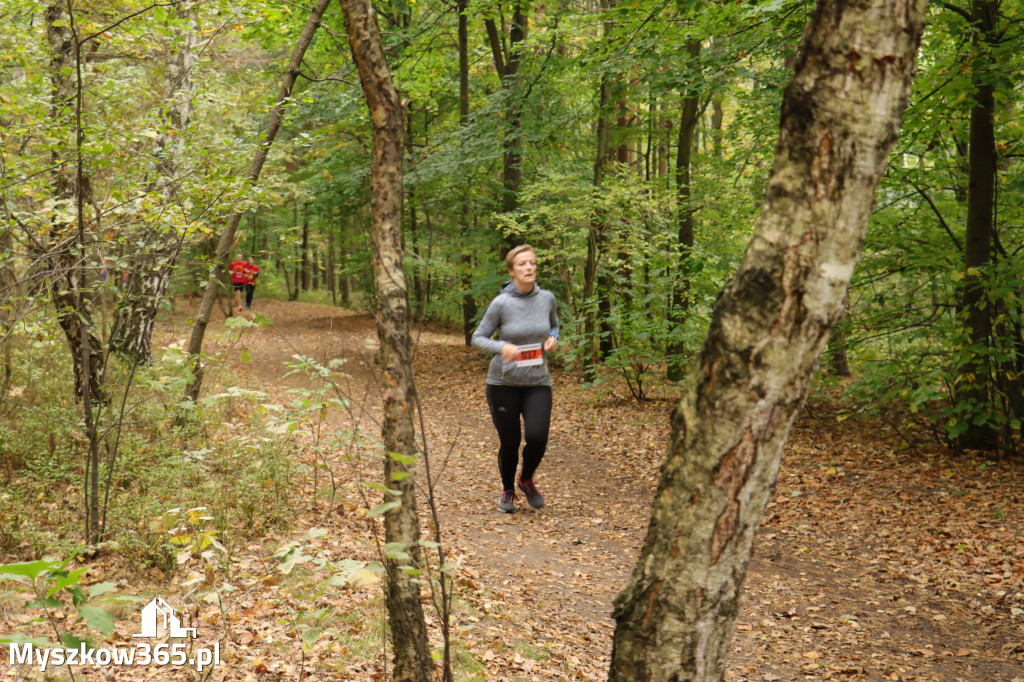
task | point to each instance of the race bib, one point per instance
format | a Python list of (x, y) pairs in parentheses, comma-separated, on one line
[(530, 354)]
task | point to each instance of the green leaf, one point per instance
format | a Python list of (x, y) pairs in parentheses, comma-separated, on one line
[(31, 570), (309, 638), (236, 323), (97, 618), (245, 356), (72, 642), (19, 638), (386, 507), (262, 320), (294, 558), (396, 550), (66, 580), (101, 588), (363, 578), (51, 603), (407, 460)]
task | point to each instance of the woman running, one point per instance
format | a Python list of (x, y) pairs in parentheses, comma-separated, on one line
[(518, 381)]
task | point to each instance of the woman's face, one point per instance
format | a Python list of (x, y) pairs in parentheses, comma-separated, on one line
[(524, 270)]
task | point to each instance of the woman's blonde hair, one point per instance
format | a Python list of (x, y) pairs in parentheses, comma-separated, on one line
[(511, 257)]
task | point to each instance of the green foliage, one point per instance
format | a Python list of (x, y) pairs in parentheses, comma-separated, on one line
[(53, 586), (241, 477), (909, 332)]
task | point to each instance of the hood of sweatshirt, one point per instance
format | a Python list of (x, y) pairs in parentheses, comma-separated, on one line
[(510, 287)]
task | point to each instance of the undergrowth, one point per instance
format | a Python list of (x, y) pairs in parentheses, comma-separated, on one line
[(156, 457)]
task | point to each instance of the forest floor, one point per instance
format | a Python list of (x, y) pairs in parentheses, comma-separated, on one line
[(875, 561)]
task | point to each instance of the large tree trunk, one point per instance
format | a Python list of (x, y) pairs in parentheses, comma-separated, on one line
[(132, 329), (408, 628), (840, 117), (227, 237), (977, 377)]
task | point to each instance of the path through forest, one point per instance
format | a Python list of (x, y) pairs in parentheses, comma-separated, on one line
[(872, 562)]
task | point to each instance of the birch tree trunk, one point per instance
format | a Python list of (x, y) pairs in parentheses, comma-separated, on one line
[(227, 237), (405, 613), (840, 117), (132, 329)]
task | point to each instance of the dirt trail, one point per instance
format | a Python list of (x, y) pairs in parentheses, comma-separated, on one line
[(838, 588)]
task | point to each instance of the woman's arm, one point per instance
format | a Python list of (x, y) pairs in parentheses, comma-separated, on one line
[(552, 341), (488, 323)]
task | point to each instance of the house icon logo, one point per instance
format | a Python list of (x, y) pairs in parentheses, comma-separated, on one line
[(159, 615)]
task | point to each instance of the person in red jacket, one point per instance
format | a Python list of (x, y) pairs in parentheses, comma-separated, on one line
[(252, 272), (239, 277)]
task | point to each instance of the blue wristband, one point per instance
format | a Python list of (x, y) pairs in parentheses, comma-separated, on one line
[(554, 333)]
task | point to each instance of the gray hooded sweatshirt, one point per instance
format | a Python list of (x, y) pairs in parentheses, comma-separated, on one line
[(521, 319)]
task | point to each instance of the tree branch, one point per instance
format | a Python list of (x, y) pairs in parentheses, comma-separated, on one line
[(959, 10), (935, 209), (495, 40), (125, 18)]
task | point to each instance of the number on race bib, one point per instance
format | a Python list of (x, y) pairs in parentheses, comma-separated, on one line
[(529, 355)]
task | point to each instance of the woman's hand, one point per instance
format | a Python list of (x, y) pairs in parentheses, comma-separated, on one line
[(510, 352), (550, 344)]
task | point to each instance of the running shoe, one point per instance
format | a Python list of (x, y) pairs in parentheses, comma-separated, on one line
[(533, 496), (507, 503)]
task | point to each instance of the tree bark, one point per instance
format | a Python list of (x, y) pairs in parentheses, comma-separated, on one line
[(469, 308), (227, 237), (680, 291), (305, 248), (975, 387), (8, 315), (315, 268), (840, 117), (507, 66), (330, 277), (132, 330), (408, 628), (66, 257), (418, 287), (595, 233), (717, 117)]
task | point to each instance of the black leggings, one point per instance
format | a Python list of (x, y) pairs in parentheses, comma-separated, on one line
[(507, 403), (249, 289)]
